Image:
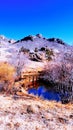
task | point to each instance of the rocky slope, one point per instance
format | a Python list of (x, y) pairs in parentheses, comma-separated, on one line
[(28, 60), (52, 57)]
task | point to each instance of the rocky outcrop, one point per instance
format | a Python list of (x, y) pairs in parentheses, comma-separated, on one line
[(39, 35), (4, 39), (27, 38), (56, 40)]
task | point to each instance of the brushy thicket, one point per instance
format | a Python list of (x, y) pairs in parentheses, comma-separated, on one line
[(7, 75), (49, 54)]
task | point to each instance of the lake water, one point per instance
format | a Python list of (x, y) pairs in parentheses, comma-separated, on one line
[(42, 92), (51, 93)]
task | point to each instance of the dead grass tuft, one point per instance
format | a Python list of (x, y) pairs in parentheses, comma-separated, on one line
[(7, 74)]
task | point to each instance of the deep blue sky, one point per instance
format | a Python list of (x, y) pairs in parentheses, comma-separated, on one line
[(52, 18)]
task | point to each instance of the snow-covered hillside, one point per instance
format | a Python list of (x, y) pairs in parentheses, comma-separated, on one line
[(39, 54)]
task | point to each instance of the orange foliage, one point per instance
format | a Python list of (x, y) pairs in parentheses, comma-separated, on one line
[(7, 73)]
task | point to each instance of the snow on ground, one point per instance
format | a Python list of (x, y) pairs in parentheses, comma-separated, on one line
[(29, 112), (4, 54)]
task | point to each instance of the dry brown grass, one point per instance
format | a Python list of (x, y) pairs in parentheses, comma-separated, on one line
[(7, 74)]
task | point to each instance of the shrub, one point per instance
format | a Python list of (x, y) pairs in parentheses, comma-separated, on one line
[(51, 39), (7, 74), (36, 49), (42, 49), (24, 50), (49, 54)]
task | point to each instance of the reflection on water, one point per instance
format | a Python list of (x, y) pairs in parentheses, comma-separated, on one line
[(41, 91), (47, 92)]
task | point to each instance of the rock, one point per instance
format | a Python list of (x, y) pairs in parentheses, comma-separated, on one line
[(38, 56), (62, 120), (29, 109), (56, 40), (33, 57), (60, 41), (27, 38), (39, 35), (51, 39), (11, 41), (2, 37), (24, 50), (42, 49), (32, 109), (71, 116)]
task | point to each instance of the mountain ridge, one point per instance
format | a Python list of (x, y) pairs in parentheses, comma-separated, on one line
[(32, 37)]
